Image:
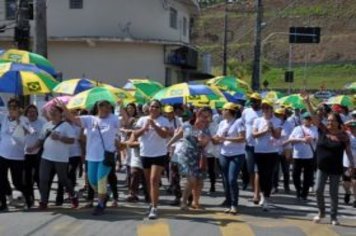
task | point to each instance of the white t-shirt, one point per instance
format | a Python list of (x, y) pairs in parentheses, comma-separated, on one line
[(109, 127), (248, 117), (294, 120), (31, 139), (266, 143), (213, 150), (287, 129), (303, 150), (75, 149), (10, 147), (151, 144), (346, 161), (55, 150), (231, 129)]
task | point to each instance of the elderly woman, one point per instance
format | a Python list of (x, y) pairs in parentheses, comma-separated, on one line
[(332, 143), (56, 137), (266, 131), (12, 152)]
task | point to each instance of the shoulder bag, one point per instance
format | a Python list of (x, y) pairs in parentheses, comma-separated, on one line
[(109, 157)]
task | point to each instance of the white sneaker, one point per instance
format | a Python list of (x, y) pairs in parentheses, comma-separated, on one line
[(262, 200), (335, 222), (233, 210), (265, 205), (153, 214), (227, 210), (318, 218)]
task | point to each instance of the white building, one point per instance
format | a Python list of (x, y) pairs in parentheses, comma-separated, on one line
[(113, 40)]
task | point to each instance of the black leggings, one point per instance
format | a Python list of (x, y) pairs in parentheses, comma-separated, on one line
[(211, 170), (73, 165), (307, 165), (32, 169), (17, 175), (266, 163)]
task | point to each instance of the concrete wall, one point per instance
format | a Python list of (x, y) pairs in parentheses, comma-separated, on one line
[(138, 19)]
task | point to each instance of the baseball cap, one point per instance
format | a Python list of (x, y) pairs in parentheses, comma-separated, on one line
[(255, 96), (168, 109), (231, 106), (280, 111), (306, 115), (267, 102)]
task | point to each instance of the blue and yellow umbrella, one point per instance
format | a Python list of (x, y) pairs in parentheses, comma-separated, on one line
[(25, 57), (183, 92), (25, 79), (74, 86)]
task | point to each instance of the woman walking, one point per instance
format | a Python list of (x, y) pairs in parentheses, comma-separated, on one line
[(152, 133), (196, 136), (266, 131), (231, 136), (332, 143)]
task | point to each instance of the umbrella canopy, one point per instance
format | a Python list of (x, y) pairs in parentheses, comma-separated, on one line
[(351, 86), (63, 99), (146, 86), (25, 57), (181, 93), (88, 98), (272, 95), (25, 79), (342, 100), (293, 100), (230, 83), (74, 86)]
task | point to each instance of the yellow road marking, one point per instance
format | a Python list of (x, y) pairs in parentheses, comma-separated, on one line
[(233, 225), (311, 229), (160, 228)]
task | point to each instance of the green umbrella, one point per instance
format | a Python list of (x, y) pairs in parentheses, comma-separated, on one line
[(146, 87), (230, 83), (294, 100), (342, 100)]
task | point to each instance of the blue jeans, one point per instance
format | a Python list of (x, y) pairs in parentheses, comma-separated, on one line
[(230, 167)]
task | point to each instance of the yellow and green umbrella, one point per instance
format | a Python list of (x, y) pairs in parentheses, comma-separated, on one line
[(88, 98), (351, 86), (272, 95), (25, 79), (25, 57), (183, 92), (146, 86), (230, 83), (295, 101), (342, 100)]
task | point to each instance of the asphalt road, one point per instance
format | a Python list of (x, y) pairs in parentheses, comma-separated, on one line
[(287, 216)]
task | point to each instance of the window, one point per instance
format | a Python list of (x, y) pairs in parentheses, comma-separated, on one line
[(10, 6), (173, 18), (185, 26), (76, 4)]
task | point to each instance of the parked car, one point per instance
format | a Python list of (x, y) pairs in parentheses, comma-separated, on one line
[(324, 95)]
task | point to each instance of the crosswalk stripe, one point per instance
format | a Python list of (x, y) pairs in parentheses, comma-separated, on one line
[(233, 225), (312, 229), (160, 228)]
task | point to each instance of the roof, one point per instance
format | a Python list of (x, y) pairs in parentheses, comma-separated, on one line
[(193, 5)]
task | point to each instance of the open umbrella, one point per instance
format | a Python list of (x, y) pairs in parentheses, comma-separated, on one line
[(25, 79), (25, 57), (272, 95), (342, 100), (88, 98), (146, 86), (351, 86), (230, 83), (183, 92), (74, 86)]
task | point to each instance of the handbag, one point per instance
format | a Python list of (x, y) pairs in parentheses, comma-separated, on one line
[(109, 157)]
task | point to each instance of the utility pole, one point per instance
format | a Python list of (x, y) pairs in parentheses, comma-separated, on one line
[(22, 29), (225, 41), (40, 34), (255, 83)]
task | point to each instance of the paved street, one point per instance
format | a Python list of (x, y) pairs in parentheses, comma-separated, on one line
[(286, 217)]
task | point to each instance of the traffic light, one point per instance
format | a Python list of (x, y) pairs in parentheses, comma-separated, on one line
[(304, 35)]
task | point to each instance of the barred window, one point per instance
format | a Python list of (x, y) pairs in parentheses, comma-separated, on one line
[(173, 18)]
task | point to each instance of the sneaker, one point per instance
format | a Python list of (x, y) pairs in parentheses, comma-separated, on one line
[(227, 210), (153, 213), (75, 202), (347, 198), (335, 222), (233, 210), (42, 206), (265, 206), (262, 200), (98, 210), (318, 217)]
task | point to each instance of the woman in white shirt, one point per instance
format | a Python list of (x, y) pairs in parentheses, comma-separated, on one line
[(303, 139), (56, 138), (266, 131), (12, 152), (102, 129), (32, 159), (152, 133), (231, 136)]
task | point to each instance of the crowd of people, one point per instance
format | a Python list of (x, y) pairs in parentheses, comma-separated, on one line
[(255, 141)]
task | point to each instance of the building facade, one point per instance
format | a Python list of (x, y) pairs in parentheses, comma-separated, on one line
[(113, 40)]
